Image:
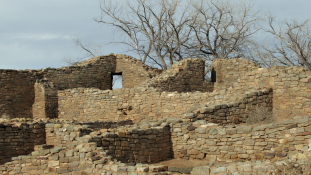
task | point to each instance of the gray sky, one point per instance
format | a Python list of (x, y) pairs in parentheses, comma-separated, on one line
[(36, 34)]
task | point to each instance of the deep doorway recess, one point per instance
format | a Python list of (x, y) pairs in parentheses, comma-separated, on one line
[(116, 80)]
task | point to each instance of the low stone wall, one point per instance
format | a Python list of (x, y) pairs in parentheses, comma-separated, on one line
[(185, 76), (291, 88), (63, 134), (79, 159), (17, 93), (136, 104), (19, 139), (149, 145), (225, 72), (200, 140), (234, 112)]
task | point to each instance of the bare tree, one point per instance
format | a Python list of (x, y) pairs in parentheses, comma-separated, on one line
[(167, 31), (91, 50), (157, 31), (292, 45), (223, 29)]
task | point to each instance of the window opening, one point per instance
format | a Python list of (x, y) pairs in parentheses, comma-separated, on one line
[(213, 75), (116, 80)]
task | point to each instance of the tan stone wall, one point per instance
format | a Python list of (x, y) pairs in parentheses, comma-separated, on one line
[(185, 76), (16, 93), (150, 145), (81, 159), (134, 72), (19, 139), (291, 88), (63, 134), (46, 100), (199, 140), (234, 112), (225, 72), (137, 104)]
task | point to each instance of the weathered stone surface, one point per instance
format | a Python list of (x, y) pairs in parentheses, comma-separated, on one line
[(219, 170), (201, 170)]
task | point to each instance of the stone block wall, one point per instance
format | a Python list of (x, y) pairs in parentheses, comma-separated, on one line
[(225, 72), (20, 97), (19, 139), (134, 71), (136, 104), (149, 145), (81, 159), (234, 112), (206, 141), (62, 134), (17, 93), (291, 88), (46, 100), (185, 76)]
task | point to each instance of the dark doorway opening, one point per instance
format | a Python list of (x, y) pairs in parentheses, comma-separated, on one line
[(213, 75)]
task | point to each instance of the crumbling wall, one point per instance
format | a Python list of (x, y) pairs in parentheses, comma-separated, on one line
[(17, 93), (134, 71), (234, 112), (291, 88), (97, 75), (46, 100), (84, 158), (225, 72), (207, 141), (149, 145), (19, 139), (185, 76), (140, 104), (63, 134), (137, 104)]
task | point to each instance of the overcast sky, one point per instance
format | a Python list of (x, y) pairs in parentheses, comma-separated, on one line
[(36, 34)]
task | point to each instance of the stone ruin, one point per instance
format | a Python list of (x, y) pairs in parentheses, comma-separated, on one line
[(69, 120)]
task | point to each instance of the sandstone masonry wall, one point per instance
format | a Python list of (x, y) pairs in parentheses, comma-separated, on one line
[(134, 72), (225, 72), (20, 97), (150, 145), (234, 112), (19, 139), (17, 93), (63, 134), (137, 103), (81, 159), (291, 88), (185, 76), (201, 140)]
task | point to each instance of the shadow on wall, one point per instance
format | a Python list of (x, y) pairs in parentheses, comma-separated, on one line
[(150, 145), (20, 140)]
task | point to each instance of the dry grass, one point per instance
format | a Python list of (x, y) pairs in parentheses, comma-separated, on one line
[(259, 115)]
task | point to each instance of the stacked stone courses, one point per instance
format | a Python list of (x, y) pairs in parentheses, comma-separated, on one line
[(202, 140), (94, 153), (19, 139), (77, 125)]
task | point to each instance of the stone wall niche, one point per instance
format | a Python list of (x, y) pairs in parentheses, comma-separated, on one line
[(46, 100)]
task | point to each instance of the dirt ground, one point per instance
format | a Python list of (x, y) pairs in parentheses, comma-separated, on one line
[(181, 166)]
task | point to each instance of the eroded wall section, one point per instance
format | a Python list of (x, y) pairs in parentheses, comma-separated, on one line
[(225, 72), (19, 139), (17, 93), (184, 76)]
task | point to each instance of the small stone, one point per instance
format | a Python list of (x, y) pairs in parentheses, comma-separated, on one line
[(201, 170), (219, 170)]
